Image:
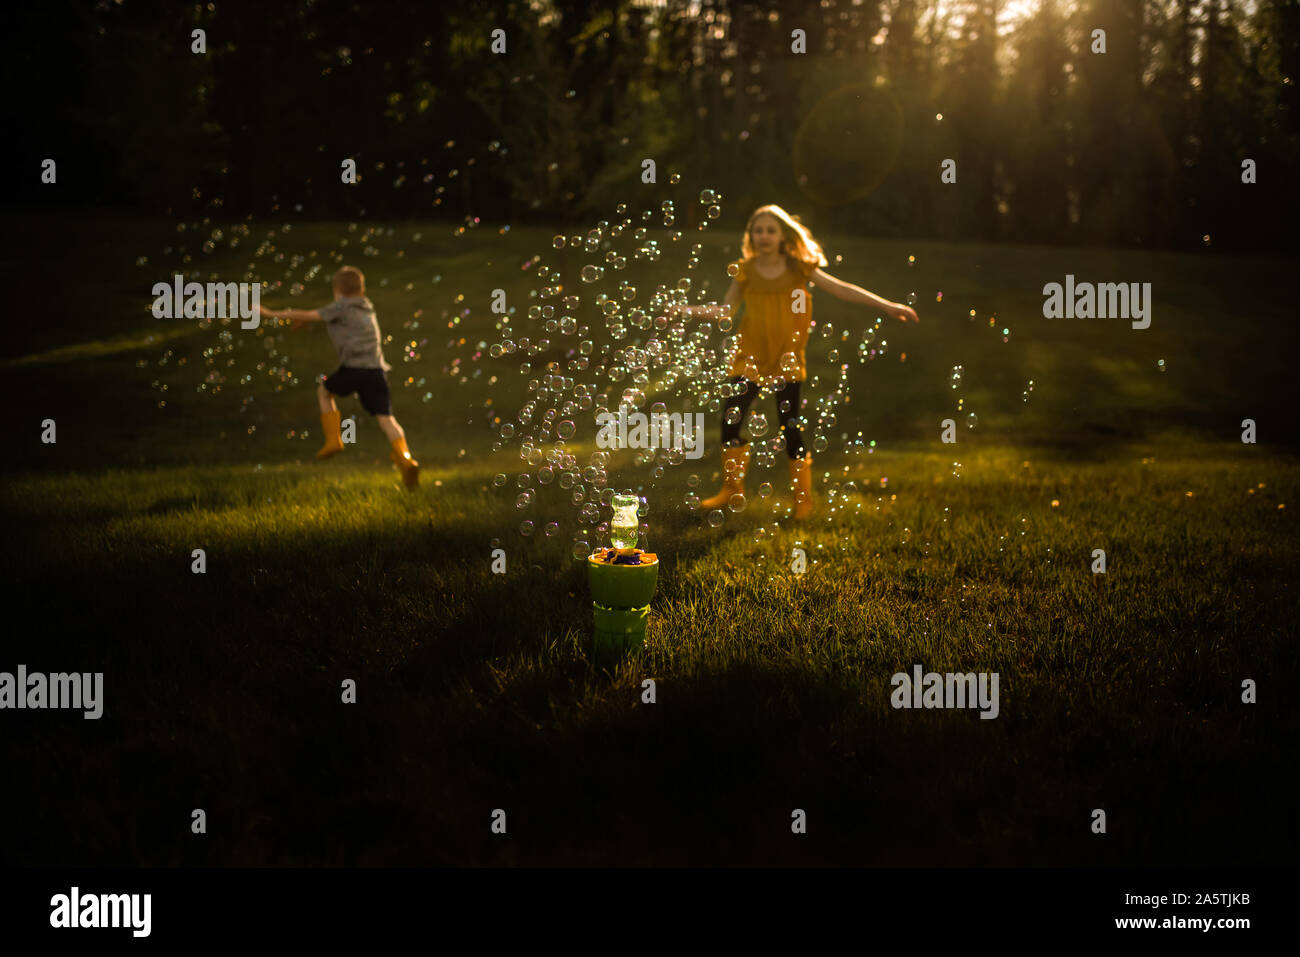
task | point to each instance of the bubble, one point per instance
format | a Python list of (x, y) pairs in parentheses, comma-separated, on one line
[(552, 528), (708, 197), (525, 499), (692, 500), (566, 429), (1160, 364), (765, 490), (499, 479), (911, 299), (716, 517), (907, 535), (558, 242), (732, 415), (581, 549), (714, 212), (675, 178), (955, 378), (693, 480), (820, 444), (757, 424), (972, 421), (592, 273), (737, 502), (956, 469), (733, 269), (526, 527), (684, 284)]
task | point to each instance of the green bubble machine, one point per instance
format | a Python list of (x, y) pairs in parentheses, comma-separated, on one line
[(622, 580)]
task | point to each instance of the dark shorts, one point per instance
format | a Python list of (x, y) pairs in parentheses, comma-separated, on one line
[(371, 385)]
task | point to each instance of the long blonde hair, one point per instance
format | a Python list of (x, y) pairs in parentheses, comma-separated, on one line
[(799, 242)]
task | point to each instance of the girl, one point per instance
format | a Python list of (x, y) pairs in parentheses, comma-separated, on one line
[(779, 257)]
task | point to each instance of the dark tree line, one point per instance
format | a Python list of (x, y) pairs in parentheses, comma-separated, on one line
[(1053, 142)]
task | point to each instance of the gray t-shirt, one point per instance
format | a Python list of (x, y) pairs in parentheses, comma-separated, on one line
[(354, 330)]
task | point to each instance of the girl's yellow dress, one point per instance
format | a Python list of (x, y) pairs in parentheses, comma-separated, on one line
[(772, 335)]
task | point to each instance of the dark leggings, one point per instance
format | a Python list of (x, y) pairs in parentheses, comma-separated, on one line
[(787, 410)]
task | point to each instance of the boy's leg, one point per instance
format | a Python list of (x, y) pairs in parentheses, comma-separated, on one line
[(400, 454), (376, 400), (330, 420), (325, 399), (388, 425)]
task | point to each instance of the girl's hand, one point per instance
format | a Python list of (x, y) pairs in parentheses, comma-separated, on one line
[(903, 313), (296, 324)]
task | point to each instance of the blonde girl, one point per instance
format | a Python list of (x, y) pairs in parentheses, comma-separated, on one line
[(779, 256)]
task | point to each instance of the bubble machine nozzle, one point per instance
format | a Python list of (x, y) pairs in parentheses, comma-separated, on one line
[(625, 525), (622, 580)]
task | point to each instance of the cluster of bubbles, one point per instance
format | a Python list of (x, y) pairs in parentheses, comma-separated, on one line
[(601, 346), (954, 380), (619, 340), (234, 362), (615, 338)]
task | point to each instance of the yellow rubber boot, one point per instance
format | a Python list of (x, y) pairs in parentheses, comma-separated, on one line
[(735, 463), (401, 456), (330, 422), (801, 483)]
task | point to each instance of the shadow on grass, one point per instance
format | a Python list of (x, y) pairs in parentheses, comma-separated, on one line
[(474, 692)]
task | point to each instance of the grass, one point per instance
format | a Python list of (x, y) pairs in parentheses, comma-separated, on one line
[(476, 691)]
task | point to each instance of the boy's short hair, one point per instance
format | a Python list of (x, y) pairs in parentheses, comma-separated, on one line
[(349, 281)]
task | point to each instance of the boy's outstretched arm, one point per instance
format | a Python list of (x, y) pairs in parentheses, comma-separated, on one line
[(856, 294), (295, 316)]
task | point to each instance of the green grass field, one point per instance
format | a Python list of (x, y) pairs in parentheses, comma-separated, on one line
[(476, 691)]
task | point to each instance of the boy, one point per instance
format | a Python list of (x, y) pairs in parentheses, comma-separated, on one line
[(350, 321)]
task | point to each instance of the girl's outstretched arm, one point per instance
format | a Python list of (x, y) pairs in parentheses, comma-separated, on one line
[(713, 310), (856, 294)]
